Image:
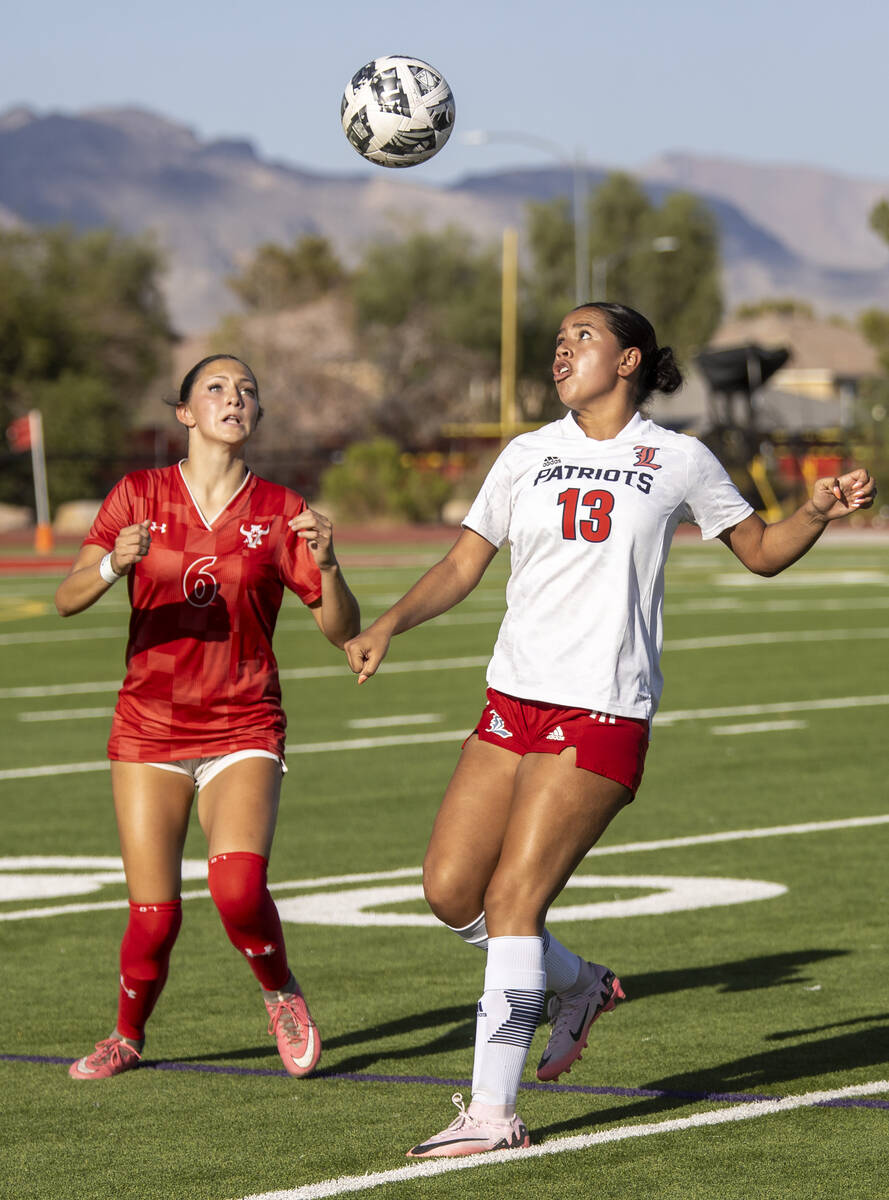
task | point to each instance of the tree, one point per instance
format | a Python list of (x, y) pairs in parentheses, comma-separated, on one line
[(439, 279), (281, 277), (428, 316), (678, 288), (83, 332)]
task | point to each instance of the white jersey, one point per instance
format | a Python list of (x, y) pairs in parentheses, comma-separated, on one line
[(589, 526)]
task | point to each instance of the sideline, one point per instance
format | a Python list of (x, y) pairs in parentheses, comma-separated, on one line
[(425, 1168)]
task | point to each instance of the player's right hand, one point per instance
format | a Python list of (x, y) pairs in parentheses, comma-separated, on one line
[(130, 547), (366, 651)]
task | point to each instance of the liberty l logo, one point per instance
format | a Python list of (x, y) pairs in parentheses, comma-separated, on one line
[(645, 457)]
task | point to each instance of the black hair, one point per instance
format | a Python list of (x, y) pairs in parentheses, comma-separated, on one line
[(191, 375), (658, 371)]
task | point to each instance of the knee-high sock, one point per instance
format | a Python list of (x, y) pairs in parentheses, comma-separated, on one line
[(144, 961), (507, 1016), (240, 892), (562, 966)]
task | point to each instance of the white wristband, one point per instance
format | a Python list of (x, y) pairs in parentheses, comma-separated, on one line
[(108, 572)]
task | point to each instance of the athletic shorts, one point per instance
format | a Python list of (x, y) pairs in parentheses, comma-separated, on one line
[(201, 770), (604, 744)]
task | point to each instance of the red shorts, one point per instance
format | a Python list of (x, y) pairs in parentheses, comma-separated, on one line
[(606, 745)]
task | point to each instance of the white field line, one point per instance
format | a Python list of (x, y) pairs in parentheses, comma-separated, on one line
[(424, 1168), (486, 616), (66, 714), (384, 722), (481, 660), (757, 727), (771, 639), (455, 735), (192, 867)]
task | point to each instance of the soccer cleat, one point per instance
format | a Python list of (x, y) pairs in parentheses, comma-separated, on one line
[(467, 1134), (290, 1022), (112, 1056), (571, 1018)]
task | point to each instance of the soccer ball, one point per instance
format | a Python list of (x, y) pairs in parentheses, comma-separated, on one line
[(397, 111)]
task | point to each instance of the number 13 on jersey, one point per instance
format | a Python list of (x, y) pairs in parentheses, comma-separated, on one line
[(596, 525)]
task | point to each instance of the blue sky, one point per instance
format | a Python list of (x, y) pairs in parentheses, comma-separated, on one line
[(780, 81)]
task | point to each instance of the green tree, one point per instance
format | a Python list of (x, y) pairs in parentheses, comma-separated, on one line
[(281, 277), (663, 261), (879, 219), (441, 280), (376, 480), (83, 332)]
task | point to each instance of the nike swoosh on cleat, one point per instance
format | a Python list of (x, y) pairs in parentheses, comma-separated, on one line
[(577, 1036), (305, 1059)]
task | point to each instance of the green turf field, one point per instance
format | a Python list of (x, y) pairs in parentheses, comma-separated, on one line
[(773, 727)]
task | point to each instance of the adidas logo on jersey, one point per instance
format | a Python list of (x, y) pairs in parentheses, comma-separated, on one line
[(551, 461), (497, 725), (556, 736)]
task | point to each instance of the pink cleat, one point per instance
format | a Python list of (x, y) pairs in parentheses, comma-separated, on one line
[(112, 1056), (467, 1134), (296, 1033), (571, 1018)]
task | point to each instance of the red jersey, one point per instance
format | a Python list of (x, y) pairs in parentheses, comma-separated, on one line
[(201, 675)]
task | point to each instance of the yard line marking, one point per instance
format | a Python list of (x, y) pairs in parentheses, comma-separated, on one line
[(762, 710), (194, 869), (57, 769), (59, 689), (448, 735), (439, 1166), (61, 635), (737, 835), (66, 714), (382, 722), (757, 727), (805, 579), (771, 639)]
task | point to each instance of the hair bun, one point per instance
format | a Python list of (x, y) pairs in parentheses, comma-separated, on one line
[(665, 374)]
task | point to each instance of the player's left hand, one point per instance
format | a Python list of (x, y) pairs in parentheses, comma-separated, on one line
[(838, 495), (317, 530)]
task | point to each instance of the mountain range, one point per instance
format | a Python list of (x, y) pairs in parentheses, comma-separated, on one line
[(785, 230)]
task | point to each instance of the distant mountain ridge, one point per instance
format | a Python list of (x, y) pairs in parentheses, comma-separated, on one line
[(785, 230)]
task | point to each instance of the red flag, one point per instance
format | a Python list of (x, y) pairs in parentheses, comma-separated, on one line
[(18, 434)]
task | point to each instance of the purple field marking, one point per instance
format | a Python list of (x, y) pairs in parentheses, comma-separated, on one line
[(434, 1081)]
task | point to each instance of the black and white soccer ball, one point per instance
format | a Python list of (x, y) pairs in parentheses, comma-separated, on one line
[(397, 111)]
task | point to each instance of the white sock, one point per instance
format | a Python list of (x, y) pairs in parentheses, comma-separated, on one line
[(564, 968), (507, 1016)]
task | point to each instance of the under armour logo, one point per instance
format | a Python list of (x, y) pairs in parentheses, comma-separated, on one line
[(155, 528), (268, 950), (497, 725), (254, 535), (645, 457)]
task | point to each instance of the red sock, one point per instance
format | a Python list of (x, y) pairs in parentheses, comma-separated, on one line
[(238, 886), (144, 961)]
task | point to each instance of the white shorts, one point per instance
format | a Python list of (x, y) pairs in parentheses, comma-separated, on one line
[(202, 770)]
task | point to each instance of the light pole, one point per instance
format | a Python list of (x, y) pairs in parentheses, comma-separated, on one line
[(575, 163), (661, 245)]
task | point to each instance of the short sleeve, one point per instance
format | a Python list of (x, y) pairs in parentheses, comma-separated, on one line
[(714, 503), (491, 510), (116, 513), (297, 568)]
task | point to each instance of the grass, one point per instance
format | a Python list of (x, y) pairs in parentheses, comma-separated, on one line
[(776, 997)]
